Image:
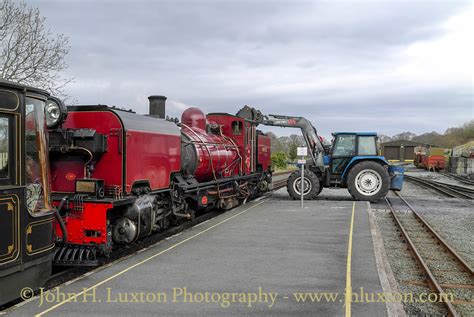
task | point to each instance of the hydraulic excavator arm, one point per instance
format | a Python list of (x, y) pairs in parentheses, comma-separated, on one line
[(309, 132)]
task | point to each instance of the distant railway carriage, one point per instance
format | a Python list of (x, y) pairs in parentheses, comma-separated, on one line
[(430, 158)]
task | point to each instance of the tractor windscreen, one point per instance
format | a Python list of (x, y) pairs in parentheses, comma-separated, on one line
[(37, 167)]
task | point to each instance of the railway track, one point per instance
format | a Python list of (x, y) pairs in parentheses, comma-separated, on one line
[(449, 190), (461, 179), (282, 173), (445, 270), (277, 184)]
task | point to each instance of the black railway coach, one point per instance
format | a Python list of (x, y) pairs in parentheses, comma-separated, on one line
[(26, 215)]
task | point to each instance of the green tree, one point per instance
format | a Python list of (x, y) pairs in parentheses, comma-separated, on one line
[(279, 160), (452, 137), (29, 52), (292, 153)]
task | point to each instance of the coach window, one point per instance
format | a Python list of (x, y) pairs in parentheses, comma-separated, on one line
[(237, 127), (4, 150), (37, 167)]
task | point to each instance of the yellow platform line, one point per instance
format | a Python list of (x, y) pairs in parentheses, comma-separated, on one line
[(348, 294), (70, 298)]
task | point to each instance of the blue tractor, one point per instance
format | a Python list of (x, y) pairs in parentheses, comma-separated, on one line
[(351, 161)]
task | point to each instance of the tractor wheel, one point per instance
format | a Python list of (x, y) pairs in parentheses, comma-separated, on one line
[(311, 185), (368, 181)]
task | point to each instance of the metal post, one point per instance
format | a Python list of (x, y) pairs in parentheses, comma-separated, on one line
[(302, 151), (302, 183)]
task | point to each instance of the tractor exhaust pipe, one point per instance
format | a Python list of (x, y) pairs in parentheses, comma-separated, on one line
[(157, 106)]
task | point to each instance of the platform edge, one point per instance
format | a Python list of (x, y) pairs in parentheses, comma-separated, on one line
[(386, 277)]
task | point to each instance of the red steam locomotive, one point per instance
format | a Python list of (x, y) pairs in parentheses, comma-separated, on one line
[(117, 176)]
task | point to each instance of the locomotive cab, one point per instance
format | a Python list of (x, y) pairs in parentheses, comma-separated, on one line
[(26, 215)]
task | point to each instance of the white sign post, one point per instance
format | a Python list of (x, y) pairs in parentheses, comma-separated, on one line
[(302, 151)]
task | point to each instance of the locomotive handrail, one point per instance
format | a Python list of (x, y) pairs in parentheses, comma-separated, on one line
[(60, 219)]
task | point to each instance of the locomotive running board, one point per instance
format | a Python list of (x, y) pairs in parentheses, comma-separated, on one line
[(76, 255)]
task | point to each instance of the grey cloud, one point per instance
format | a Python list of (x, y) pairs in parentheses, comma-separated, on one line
[(285, 57)]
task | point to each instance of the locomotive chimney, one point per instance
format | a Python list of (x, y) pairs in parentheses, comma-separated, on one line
[(157, 106)]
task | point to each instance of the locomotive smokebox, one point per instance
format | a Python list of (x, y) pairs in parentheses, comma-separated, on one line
[(157, 106)]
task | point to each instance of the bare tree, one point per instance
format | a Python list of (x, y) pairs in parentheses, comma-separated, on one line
[(29, 52)]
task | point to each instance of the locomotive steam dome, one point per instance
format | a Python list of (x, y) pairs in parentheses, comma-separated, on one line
[(194, 118)]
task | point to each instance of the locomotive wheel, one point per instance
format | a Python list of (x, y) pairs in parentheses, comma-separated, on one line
[(368, 181), (311, 185)]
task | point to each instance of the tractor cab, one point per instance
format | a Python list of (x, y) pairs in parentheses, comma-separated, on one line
[(348, 147)]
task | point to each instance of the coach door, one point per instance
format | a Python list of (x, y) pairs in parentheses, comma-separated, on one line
[(10, 191)]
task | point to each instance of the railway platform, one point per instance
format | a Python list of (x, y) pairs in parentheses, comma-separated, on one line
[(268, 257)]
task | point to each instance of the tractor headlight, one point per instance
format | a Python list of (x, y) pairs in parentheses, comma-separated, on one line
[(55, 112)]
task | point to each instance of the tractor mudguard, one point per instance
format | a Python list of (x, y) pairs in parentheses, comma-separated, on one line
[(357, 159)]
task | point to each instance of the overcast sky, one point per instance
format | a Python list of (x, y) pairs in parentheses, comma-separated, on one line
[(346, 65)]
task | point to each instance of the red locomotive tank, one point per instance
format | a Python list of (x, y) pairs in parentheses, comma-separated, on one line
[(156, 142), (206, 155)]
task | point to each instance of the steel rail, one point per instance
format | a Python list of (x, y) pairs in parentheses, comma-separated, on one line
[(283, 173), (438, 237), (433, 283), (429, 186), (454, 186), (447, 185), (279, 184), (459, 178), (440, 187)]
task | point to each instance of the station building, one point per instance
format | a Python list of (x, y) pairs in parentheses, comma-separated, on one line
[(401, 150)]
